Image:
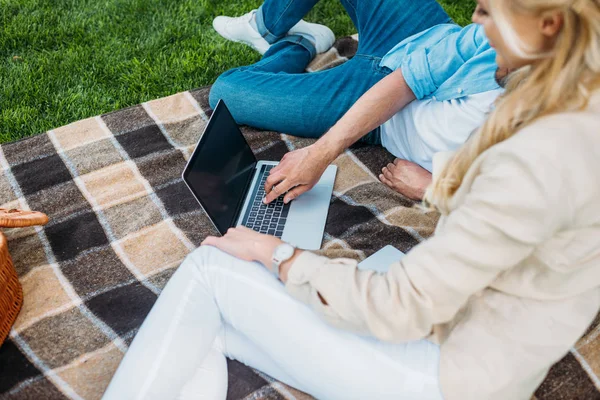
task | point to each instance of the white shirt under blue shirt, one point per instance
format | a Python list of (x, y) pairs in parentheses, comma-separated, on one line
[(451, 70)]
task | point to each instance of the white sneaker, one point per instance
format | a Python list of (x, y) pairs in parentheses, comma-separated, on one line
[(320, 35), (239, 29)]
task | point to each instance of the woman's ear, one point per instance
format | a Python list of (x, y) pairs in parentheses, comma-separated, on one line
[(551, 23)]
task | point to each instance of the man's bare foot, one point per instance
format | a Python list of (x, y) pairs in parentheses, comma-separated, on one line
[(406, 178)]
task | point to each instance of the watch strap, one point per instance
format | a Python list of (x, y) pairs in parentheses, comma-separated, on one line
[(276, 262)]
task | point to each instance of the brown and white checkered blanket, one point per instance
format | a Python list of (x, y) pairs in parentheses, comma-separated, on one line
[(122, 221)]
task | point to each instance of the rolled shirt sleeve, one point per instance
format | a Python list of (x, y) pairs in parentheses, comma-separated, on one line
[(426, 69), (508, 212)]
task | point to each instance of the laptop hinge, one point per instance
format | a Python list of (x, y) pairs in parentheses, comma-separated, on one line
[(240, 205)]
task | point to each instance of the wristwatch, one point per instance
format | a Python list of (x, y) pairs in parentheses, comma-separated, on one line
[(281, 254)]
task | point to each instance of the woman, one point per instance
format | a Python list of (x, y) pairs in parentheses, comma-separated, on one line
[(482, 310)]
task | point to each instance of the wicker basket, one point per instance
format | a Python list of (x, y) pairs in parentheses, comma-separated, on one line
[(11, 293)]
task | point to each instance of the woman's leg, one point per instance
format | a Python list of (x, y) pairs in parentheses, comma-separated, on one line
[(210, 380), (213, 291), (321, 360), (173, 341), (292, 344)]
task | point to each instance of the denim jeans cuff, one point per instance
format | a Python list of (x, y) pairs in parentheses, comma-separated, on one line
[(262, 29), (302, 41)]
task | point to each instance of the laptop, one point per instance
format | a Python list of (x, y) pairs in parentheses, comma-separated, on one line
[(382, 260), (228, 182)]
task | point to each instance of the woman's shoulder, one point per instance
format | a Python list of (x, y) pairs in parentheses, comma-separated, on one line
[(572, 123), (559, 153), (559, 137)]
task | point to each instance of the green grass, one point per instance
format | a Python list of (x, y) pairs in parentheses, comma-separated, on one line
[(64, 60)]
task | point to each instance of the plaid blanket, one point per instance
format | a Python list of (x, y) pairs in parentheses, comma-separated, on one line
[(122, 220)]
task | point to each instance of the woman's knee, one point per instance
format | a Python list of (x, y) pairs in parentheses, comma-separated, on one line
[(205, 256), (209, 260)]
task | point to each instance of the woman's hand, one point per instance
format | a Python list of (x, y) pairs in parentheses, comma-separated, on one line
[(246, 244)]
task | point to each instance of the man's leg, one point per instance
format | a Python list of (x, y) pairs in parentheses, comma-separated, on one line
[(276, 17), (309, 104), (381, 24), (274, 95)]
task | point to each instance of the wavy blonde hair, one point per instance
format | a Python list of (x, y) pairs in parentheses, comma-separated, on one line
[(559, 81)]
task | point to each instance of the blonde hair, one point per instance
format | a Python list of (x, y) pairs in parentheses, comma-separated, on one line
[(557, 82)]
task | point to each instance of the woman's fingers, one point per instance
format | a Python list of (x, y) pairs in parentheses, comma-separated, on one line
[(246, 244), (232, 243), (221, 243), (210, 241), (216, 240)]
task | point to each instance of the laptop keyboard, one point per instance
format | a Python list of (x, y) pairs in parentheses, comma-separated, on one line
[(266, 218)]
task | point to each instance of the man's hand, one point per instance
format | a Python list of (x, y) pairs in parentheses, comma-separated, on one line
[(406, 178), (297, 173)]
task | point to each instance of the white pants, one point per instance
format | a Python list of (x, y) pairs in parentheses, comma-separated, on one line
[(216, 305)]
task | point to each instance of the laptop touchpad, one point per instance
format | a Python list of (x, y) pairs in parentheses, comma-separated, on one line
[(308, 214)]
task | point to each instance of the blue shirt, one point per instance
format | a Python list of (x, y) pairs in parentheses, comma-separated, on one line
[(445, 62)]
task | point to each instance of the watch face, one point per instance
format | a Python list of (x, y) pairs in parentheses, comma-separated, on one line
[(284, 252)]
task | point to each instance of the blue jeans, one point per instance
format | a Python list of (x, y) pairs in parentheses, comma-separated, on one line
[(275, 94)]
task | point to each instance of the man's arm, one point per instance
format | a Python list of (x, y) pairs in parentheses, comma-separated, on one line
[(300, 170), (375, 107)]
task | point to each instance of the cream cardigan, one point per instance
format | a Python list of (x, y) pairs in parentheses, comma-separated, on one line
[(511, 278)]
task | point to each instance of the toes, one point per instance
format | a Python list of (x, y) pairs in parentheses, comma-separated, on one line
[(386, 181), (388, 174)]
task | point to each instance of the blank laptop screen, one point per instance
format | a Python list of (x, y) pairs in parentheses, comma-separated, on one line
[(220, 168)]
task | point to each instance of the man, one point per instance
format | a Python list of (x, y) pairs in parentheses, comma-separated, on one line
[(418, 85)]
